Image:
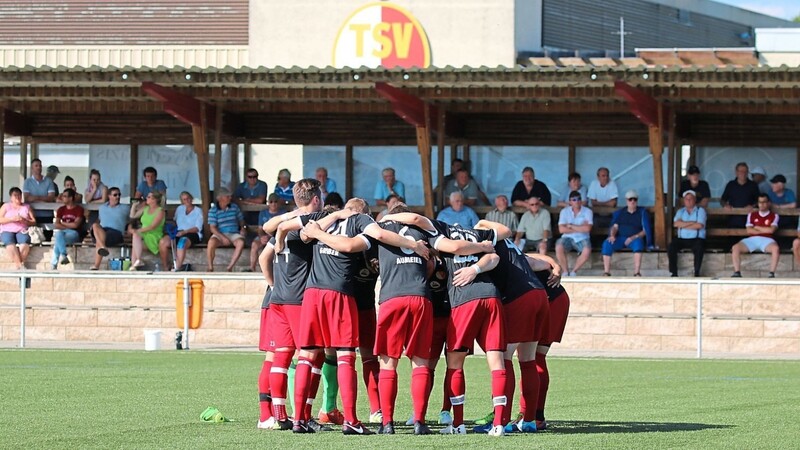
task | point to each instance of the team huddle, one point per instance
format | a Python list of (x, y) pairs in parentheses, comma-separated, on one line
[(442, 287)]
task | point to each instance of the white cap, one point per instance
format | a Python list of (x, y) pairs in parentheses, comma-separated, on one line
[(631, 194), (758, 170), (689, 191)]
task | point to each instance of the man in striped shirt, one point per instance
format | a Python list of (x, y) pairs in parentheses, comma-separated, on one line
[(501, 214), (226, 222)]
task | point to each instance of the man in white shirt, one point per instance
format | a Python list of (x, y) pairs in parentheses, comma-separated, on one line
[(574, 224), (603, 191)]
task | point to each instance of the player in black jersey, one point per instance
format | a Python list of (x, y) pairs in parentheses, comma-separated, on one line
[(365, 278)]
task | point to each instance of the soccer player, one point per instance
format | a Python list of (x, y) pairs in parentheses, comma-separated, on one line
[(365, 278), (266, 419), (329, 315)]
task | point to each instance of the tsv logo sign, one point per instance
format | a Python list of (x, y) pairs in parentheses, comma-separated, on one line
[(381, 35)]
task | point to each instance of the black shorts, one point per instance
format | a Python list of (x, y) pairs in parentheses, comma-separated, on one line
[(194, 238), (114, 237)]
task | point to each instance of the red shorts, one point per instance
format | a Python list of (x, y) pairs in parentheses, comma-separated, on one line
[(526, 317), (265, 332), (366, 328), (328, 319), (478, 320), (405, 322), (285, 324), (554, 326), (439, 336)]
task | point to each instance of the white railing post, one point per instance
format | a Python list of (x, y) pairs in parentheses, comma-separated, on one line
[(186, 305), (699, 319), (23, 284)]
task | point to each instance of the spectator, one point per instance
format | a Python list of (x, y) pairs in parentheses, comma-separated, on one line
[(151, 183), (759, 176), (68, 228), (574, 223), (455, 165), (149, 235), (761, 225), (335, 200), (501, 213), (326, 185), (796, 248), (741, 192), (466, 184), (284, 186), (252, 191), (458, 213), (15, 218), (630, 227), (52, 172), (96, 191), (603, 191), (535, 227), (189, 222), (109, 231), (391, 202), (69, 183), (694, 183), (227, 226), (273, 209), (388, 186), (573, 184), (690, 223), (779, 196), (39, 188), (529, 187)]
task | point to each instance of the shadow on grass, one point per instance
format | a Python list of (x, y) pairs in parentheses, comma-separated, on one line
[(587, 427)]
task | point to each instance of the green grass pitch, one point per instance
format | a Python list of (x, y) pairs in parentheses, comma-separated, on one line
[(109, 399)]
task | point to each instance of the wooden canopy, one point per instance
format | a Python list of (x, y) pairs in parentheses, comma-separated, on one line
[(568, 106)]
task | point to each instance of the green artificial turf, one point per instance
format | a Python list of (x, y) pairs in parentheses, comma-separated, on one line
[(111, 399)]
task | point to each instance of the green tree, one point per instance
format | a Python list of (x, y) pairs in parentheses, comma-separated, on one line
[(797, 18)]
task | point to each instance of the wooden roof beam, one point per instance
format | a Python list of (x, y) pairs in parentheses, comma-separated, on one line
[(16, 124), (641, 105), (412, 109), (189, 110)]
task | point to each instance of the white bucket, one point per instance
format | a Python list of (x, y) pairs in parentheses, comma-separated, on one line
[(152, 340)]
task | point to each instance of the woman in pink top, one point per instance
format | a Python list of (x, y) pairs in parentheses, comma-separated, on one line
[(15, 217)]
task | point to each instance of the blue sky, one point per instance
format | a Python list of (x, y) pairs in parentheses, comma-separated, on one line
[(785, 9)]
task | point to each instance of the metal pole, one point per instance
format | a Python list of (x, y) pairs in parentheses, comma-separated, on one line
[(699, 319), (621, 37), (23, 283), (186, 305)]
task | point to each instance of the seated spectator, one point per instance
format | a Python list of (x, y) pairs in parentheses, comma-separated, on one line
[(252, 191), (52, 172), (741, 192), (759, 176), (535, 227), (391, 202), (39, 188), (69, 183), (574, 223), (796, 248), (15, 218), (458, 213), (189, 222), (690, 223), (630, 227), (694, 183), (573, 184), (109, 231), (468, 186), (152, 217), (501, 213), (274, 208), (389, 185), (335, 201), (151, 183), (96, 191), (284, 187), (779, 196), (326, 185), (455, 165), (761, 225), (227, 226), (603, 191), (68, 228), (529, 187)]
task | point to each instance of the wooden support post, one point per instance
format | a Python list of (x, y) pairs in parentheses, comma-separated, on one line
[(570, 160), (35, 151), (466, 156), (23, 159), (671, 169), (2, 152), (199, 138), (440, 137), (657, 150), (453, 152), (348, 172), (248, 158), (235, 161), (134, 175), (424, 147), (218, 149)]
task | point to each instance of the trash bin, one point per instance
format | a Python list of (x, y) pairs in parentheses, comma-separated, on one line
[(195, 303)]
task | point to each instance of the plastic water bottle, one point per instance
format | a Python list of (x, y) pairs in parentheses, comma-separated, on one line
[(158, 267)]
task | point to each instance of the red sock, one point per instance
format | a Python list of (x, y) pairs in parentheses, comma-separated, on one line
[(420, 392), (509, 390), (348, 386), (278, 381), (498, 397), (387, 383), (529, 381), (264, 399), (446, 404), (544, 383), (302, 382), (371, 368), (458, 388), (313, 387)]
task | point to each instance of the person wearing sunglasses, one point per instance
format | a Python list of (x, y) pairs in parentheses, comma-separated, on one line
[(630, 228), (252, 191), (109, 231), (574, 224)]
